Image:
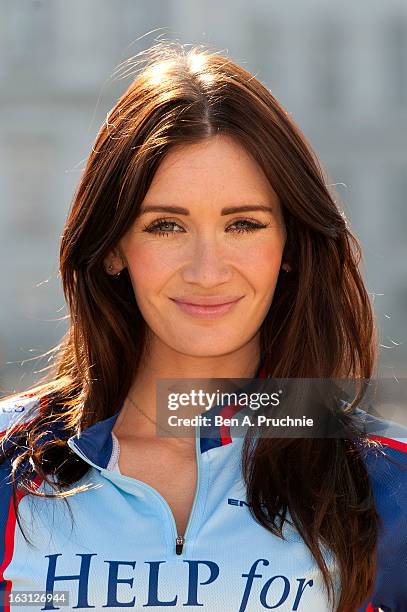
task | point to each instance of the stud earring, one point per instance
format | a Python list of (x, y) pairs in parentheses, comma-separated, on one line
[(110, 268)]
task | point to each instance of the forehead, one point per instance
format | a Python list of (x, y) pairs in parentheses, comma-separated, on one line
[(216, 170)]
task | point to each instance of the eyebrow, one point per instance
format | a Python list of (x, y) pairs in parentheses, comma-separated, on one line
[(179, 210)]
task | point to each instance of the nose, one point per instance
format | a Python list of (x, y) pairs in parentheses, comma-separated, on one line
[(207, 265)]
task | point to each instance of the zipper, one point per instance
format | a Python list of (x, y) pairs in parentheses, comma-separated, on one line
[(181, 539), (179, 544), (178, 539)]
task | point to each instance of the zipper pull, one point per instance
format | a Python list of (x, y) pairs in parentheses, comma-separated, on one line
[(179, 544)]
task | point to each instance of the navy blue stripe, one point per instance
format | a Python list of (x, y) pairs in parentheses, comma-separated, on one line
[(96, 443)]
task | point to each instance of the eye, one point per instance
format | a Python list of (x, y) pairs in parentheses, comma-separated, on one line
[(246, 226), (162, 227), (165, 227)]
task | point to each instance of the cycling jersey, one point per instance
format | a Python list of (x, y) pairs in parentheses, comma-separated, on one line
[(123, 550)]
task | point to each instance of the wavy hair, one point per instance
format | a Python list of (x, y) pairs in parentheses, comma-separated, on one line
[(320, 323)]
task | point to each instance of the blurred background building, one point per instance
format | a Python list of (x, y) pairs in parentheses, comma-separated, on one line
[(340, 69)]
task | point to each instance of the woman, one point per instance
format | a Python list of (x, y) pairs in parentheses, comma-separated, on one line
[(202, 242)]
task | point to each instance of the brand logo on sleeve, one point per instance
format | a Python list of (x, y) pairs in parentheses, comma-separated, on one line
[(237, 502)]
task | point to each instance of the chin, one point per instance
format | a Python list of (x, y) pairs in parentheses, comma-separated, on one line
[(205, 347)]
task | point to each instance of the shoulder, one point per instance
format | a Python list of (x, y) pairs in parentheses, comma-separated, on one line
[(385, 457), (17, 411), (16, 414), (41, 412), (386, 445)]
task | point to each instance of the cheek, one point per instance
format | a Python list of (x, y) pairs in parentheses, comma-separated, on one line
[(262, 266), (149, 267)]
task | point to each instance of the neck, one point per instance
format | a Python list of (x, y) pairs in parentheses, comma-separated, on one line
[(162, 362)]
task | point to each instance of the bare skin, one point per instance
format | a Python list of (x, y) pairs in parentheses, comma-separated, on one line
[(168, 464), (207, 252)]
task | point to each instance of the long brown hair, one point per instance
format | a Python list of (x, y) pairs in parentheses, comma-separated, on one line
[(320, 323)]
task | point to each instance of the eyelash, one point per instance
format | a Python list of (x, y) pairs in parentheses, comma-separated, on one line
[(251, 227)]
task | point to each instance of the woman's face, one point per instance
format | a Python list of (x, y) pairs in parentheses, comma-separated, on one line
[(192, 244)]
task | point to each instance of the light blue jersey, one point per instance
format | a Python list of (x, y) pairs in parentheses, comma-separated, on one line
[(123, 550)]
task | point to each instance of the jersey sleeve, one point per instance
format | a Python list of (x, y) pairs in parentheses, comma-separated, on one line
[(386, 462), (15, 415), (16, 412)]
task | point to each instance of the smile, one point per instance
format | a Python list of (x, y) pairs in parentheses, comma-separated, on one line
[(206, 311)]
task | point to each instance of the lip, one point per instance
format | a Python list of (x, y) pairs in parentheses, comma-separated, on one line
[(217, 306), (209, 300)]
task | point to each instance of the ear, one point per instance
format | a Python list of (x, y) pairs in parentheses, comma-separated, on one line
[(286, 267), (114, 262)]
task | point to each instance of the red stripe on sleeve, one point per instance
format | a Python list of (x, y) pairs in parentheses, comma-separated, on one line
[(9, 542), (401, 446), (8, 551)]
